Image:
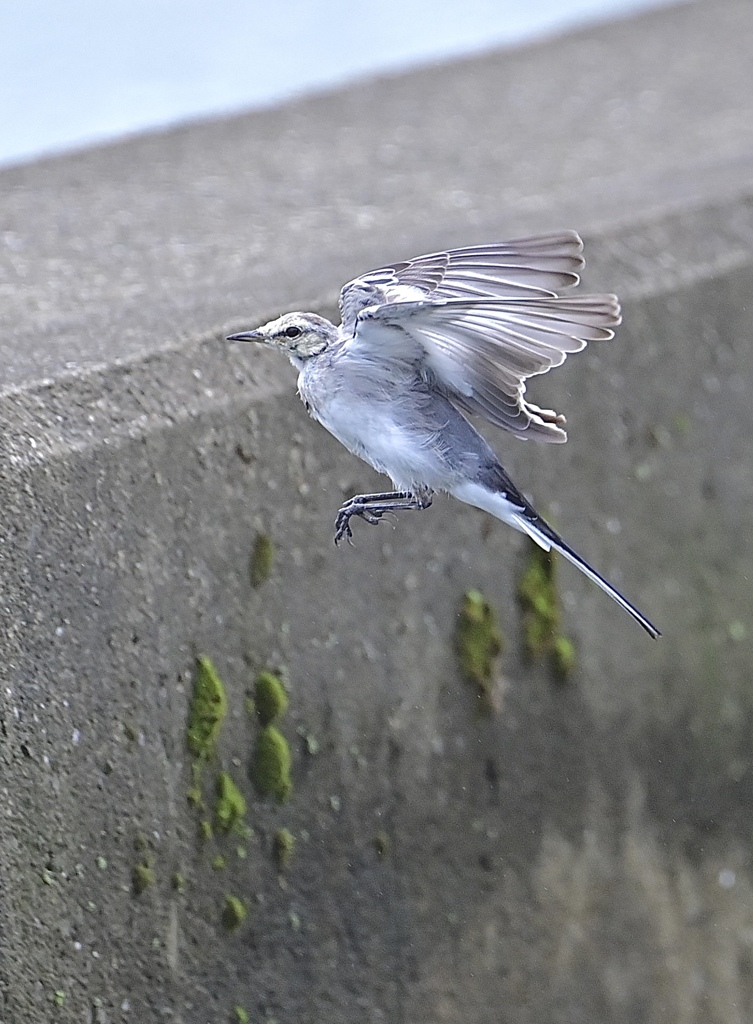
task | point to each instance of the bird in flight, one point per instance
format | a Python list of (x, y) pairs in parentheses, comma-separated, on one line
[(425, 342)]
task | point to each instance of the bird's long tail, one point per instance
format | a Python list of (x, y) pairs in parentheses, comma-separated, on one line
[(547, 538), (505, 502)]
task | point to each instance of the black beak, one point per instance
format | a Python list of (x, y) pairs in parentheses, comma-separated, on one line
[(246, 336)]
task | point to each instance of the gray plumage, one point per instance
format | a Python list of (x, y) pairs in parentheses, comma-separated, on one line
[(425, 341)]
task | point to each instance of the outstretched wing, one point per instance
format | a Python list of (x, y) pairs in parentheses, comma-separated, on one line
[(526, 267), (482, 320)]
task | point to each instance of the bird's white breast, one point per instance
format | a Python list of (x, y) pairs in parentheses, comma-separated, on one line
[(376, 425)]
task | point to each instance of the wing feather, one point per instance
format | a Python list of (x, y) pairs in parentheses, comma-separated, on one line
[(541, 265), (480, 321)]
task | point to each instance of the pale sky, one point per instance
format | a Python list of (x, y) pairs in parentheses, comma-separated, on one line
[(85, 70)]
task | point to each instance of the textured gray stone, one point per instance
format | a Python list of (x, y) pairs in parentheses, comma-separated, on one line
[(584, 854)]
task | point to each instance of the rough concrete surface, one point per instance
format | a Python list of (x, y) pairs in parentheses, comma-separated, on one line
[(583, 854)]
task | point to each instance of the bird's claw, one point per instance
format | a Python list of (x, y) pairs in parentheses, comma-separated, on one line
[(342, 529), (373, 508), (354, 508)]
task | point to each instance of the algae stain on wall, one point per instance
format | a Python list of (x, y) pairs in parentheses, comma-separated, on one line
[(207, 712), (542, 613), (478, 644)]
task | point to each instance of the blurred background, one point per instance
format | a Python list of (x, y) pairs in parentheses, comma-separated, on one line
[(85, 71)]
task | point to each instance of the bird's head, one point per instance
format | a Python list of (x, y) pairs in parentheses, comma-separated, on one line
[(299, 335)]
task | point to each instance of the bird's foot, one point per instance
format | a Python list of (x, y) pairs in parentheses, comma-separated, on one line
[(373, 507), (351, 508)]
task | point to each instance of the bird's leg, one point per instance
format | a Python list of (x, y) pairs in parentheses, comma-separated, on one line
[(372, 507)]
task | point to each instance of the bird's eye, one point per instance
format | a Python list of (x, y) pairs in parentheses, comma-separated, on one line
[(292, 332)]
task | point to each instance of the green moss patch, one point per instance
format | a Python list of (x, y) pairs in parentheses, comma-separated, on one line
[(478, 643), (262, 560), (282, 847), (208, 710), (270, 769), (194, 794), (270, 699), (230, 809), (143, 877), (542, 613), (563, 656), (382, 844), (234, 913)]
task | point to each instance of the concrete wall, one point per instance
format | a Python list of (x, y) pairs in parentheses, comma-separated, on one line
[(584, 854)]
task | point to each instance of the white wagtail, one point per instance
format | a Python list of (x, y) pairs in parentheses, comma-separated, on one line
[(427, 340)]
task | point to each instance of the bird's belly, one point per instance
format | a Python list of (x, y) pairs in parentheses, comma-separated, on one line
[(410, 456)]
